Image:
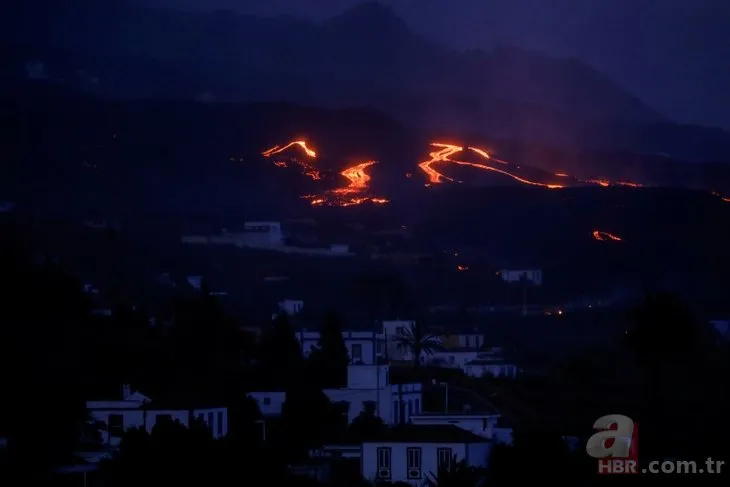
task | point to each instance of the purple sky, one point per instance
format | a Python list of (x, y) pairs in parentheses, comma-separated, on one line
[(673, 54)]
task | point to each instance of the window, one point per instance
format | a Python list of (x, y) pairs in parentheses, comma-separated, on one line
[(116, 424), (381, 346), (451, 359), (396, 412), (220, 423), (413, 456), (417, 406), (466, 341), (210, 421), (383, 463), (444, 458), (357, 352), (267, 401), (401, 330)]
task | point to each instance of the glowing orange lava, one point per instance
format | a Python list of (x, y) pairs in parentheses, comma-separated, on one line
[(353, 193), (278, 149), (445, 153), (605, 236), (308, 169)]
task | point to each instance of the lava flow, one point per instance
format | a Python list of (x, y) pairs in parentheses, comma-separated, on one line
[(445, 153), (606, 237), (307, 168), (353, 193)]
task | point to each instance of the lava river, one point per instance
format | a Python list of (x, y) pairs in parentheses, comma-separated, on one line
[(355, 193), (605, 236), (444, 154)]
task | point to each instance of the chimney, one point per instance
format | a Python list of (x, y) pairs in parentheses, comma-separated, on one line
[(126, 391)]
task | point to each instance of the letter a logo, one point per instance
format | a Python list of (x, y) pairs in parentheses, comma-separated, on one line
[(614, 439)]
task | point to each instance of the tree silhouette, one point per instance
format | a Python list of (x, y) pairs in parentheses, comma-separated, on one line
[(366, 425), (456, 474), (280, 360), (416, 340), (44, 345), (328, 361)]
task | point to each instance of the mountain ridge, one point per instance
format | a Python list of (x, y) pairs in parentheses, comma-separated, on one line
[(366, 56)]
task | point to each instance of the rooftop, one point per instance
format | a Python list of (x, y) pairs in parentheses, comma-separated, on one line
[(427, 434)]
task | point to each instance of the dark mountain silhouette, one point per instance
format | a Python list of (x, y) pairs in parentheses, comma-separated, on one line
[(365, 56)]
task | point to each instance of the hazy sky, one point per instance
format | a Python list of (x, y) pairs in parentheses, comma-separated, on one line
[(673, 54)]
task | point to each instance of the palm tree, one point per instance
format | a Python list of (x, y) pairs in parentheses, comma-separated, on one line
[(417, 339)]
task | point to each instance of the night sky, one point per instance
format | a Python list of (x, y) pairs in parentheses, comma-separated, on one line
[(673, 54)]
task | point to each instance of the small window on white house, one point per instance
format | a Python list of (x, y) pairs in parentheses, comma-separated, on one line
[(267, 401), (220, 423), (466, 341), (443, 456), (357, 352), (210, 421), (414, 463), (383, 455)]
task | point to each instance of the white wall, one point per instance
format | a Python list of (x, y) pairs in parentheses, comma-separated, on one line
[(371, 346), (147, 419), (358, 397), (366, 376), (408, 399), (291, 306), (511, 275), (131, 418), (496, 370), (270, 403), (480, 425), (399, 461)]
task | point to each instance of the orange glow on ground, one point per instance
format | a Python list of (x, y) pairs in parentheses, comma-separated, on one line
[(444, 156), (605, 236), (352, 194)]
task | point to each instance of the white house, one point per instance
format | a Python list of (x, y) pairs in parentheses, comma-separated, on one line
[(270, 403), (488, 367), (135, 410), (530, 275), (364, 347), (366, 384), (479, 423), (290, 306), (262, 234), (371, 384), (452, 358), (414, 454)]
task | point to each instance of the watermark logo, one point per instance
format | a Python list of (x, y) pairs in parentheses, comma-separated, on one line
[(616, 445)]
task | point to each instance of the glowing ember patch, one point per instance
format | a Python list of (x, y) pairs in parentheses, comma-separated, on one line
[(606, 237)]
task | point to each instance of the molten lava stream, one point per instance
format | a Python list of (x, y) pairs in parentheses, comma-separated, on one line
[(353, 193), (307, 168), (448, 150), (605, 236), (277, 149)]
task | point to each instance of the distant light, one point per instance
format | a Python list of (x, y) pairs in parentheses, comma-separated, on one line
[(560, 311)]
